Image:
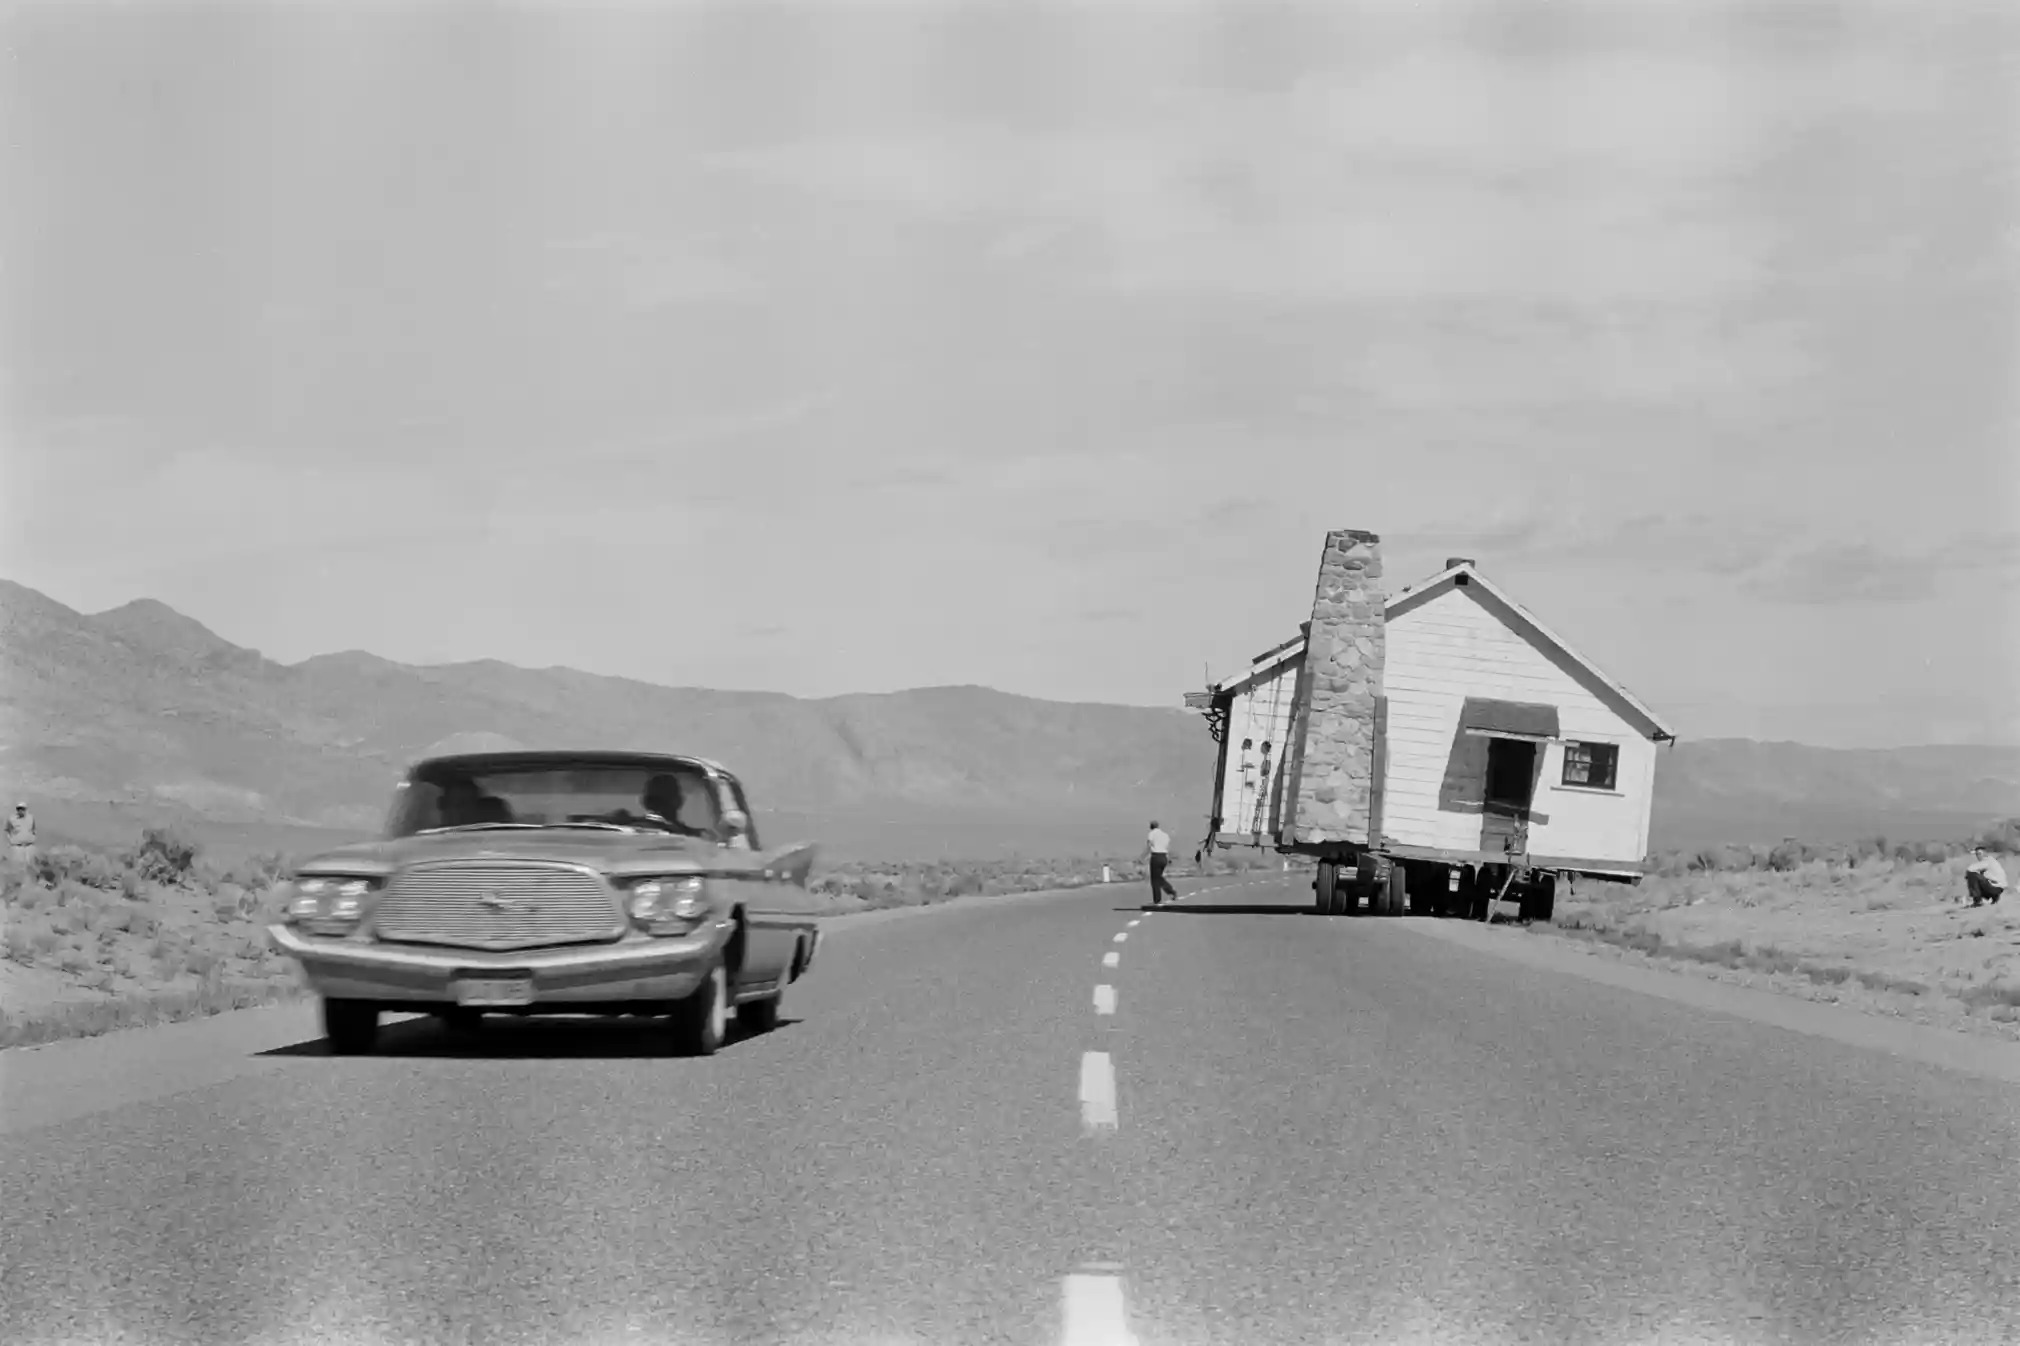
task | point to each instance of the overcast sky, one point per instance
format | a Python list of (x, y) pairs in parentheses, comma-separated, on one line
[(860, 348)]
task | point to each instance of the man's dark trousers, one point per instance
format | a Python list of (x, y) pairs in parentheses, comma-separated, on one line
[(1159, 885)]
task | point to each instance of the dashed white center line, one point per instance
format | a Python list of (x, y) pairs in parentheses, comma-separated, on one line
[(1104, 1000), (1095, 1311), (1121, 936), (1138, 921), (1097, 1092), (1111, 959)]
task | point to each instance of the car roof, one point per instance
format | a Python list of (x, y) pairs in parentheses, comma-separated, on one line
[(527, 758)]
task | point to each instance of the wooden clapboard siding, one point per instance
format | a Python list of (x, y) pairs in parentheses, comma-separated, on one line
[(1260, 711), (1457, 643)]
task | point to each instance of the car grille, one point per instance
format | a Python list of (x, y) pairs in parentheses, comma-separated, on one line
[(489, 905)]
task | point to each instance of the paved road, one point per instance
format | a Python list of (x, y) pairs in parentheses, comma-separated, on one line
[(1271, 1128)]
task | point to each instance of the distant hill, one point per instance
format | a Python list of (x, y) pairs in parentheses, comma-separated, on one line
[(142, 713)]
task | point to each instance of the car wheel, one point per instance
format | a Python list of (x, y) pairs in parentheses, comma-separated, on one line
[(760, 1016), (701, 1022), (350, 1026)]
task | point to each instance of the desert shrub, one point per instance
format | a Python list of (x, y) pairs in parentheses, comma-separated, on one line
[(960, 883), (56, 865), (1882, 981), (1790, 855), (164, 856), (2003, 837), (1998, 993), (20, 943)]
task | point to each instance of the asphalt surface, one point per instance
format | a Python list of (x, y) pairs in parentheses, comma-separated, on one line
[(1273, 1128)]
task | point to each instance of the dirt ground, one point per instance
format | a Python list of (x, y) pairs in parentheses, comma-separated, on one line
[(1885, 936)]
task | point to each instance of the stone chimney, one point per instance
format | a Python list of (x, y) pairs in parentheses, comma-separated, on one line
[(1344, 651)]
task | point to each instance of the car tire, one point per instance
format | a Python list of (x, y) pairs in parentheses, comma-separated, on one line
[(701, 1022), (351, 1027), (760, 1016), (1326, 886)]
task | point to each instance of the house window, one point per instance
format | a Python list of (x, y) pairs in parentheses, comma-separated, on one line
[(1592, 766)]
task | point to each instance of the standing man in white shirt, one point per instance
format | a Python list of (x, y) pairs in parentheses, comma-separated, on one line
[(1157, 849), (1985, 877), (21, 834)]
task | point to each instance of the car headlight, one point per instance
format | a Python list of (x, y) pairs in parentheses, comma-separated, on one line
[(667, 905), (329, 900)]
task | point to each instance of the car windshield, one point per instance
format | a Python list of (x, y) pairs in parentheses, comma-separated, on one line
[(667, 798)]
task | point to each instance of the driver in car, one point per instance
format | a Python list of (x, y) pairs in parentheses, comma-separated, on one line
[(662, 799), (459, 802)]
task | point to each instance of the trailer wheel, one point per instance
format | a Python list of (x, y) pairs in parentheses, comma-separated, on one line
[(1399, 891), (1427, 889), (1325, 886), (1486, 882), (1368, 883), (1540, 901)]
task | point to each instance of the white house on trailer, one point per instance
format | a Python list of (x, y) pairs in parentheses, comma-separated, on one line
[(1493, 738)]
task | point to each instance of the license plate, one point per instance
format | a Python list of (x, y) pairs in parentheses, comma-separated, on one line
[(495, 991)]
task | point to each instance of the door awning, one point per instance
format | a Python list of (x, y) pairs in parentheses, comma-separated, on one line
[(1532, 721)]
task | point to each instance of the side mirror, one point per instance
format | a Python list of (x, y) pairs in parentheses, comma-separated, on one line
[(735, 823)]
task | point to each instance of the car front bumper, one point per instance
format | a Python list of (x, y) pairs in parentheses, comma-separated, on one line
[(631, 971)]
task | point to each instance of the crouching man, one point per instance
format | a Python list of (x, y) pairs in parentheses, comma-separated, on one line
[(1985, 877)]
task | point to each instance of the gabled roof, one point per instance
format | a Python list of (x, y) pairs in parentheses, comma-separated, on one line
[(1412, 595)]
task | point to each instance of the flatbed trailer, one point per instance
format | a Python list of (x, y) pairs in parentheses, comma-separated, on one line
[(1307, 760)]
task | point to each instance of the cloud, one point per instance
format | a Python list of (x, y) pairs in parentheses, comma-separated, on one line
[(1453, 171), (1865, 572), (639, 272), (1236, 511)]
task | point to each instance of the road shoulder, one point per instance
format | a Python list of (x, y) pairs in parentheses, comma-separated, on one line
[(1990, 1057)]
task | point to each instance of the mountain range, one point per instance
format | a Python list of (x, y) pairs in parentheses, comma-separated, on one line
[(141, 715)]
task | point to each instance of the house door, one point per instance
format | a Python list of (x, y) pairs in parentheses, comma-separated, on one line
[(1511, 787)]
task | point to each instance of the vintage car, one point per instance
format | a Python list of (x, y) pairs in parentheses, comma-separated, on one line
[(602, 883)]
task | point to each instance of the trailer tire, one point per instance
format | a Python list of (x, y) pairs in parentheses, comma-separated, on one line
[(1368, 882), (1427, 893), (1326, 887), (1398, 891), (1540, 902), (1486, 883)]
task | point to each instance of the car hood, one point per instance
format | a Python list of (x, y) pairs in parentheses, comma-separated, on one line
[(611, 852)]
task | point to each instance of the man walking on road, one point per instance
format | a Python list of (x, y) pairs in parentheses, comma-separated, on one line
[(1985, 877), (1157, 849), (21, 835)]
